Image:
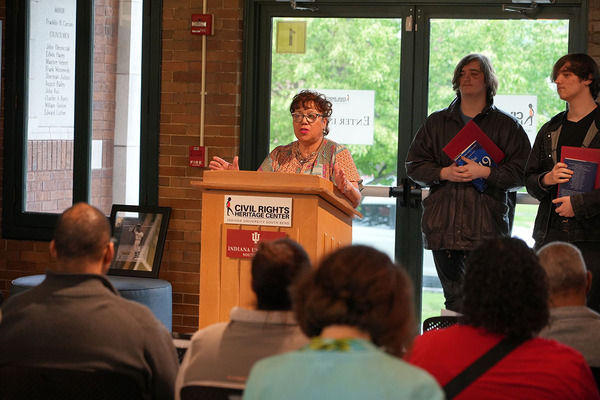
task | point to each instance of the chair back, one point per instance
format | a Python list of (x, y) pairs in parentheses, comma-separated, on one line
[(182, 342), (209, 392), (441, 322), (596, 373), (37, 383)]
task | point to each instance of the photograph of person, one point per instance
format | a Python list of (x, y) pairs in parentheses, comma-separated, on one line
[(136, 238)]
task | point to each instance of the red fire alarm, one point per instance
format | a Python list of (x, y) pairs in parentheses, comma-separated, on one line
[(196, 156), (202, 24)]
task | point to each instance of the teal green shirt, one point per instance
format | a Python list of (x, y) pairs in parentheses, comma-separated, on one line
[(350, 369)]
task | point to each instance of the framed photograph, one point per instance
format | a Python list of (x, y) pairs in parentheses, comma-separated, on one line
[(139, 234)]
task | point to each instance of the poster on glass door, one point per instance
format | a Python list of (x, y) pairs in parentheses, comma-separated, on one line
[(523, 108), (353, 115)]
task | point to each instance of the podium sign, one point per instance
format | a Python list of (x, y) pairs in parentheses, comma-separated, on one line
[(258, 210), (243, 244)]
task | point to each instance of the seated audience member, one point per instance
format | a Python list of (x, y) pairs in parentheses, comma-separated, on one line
[(505, 295), (571, 322), (357, 308), (75, 319), (225, 352)]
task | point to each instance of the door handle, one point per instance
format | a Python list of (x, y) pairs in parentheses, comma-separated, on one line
[(409, 192)]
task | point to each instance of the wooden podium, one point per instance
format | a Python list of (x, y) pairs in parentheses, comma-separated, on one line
[(321, 220)]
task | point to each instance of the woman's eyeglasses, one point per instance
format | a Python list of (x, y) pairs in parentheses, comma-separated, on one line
[(299, 117)]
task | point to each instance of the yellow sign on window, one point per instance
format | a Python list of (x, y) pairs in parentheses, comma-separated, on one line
[(291, 37)]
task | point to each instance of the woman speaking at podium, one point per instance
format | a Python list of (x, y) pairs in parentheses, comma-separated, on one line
[(312, 153)]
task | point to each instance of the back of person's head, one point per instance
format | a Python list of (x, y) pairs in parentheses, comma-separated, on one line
[(361, 287), (565, 268), (275, 267), (82, 232), (505, 289), (491, 81), (581, 65)]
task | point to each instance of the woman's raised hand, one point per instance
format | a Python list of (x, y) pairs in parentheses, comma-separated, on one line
[(218, 164), (348, 189)]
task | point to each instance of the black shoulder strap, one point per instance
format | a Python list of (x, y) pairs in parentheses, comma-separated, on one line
[(478, 368)]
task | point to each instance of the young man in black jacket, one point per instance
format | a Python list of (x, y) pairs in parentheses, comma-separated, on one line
[(576, 218), (456, 216)]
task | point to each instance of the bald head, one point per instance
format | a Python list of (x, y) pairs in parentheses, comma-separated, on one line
[(565, 268), (81, 236)]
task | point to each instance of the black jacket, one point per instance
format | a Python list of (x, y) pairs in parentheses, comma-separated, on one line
[(585, 226), (455, 215)]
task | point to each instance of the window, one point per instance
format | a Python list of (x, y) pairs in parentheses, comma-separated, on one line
[(82, 88)]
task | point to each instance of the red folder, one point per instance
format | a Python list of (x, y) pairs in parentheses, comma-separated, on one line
[(466, 136), (582, 153)]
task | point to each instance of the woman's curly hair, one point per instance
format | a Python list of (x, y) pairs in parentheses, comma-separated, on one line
[(312, 99), (360, 287), (505, 289)]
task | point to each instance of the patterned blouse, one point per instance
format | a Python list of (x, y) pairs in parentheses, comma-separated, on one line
[(288, 159)]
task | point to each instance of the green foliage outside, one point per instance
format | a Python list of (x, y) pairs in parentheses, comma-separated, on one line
[(522, 53), (525, 215), (364, 54), (432, 303)]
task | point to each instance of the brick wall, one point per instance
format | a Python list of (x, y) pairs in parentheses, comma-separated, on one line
[(180, 128), (49, 175), (594, 29), (106, 25)]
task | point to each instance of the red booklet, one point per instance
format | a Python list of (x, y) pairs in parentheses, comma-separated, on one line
[(467, 135), (582, 154)]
